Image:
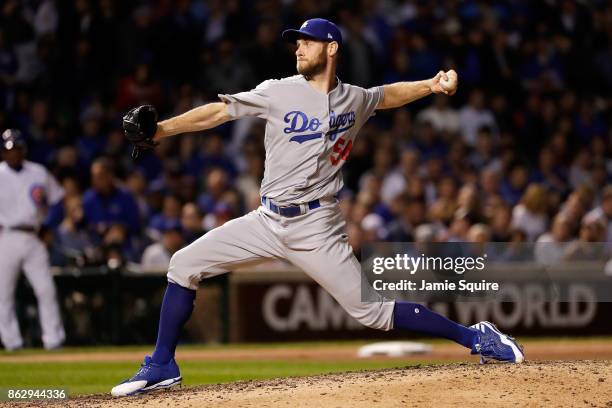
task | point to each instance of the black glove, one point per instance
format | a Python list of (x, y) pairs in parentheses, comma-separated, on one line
[(139, 127)]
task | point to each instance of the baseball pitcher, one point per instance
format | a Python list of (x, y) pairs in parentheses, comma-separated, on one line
[(312, 120)]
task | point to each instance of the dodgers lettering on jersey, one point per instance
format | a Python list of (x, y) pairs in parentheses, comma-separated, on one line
[(309, 134), (26, 194), (298, 122)]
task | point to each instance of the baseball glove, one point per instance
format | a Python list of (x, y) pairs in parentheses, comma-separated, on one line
[(139, 127)]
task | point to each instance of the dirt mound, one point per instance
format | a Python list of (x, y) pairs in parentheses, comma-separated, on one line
[(544, 383)]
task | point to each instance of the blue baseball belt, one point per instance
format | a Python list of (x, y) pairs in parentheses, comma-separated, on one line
[(294, 210)]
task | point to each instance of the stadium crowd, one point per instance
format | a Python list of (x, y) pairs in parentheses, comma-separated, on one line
[(522, 153)]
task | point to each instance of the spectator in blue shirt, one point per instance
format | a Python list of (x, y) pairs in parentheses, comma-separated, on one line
[(216, 185), (92, 141), (170, 215), (513, 186), (106, 203)]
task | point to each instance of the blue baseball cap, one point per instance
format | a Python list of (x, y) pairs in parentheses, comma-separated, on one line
[(316, 28)]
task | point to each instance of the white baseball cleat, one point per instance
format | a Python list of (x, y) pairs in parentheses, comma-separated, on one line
[(150, 377)]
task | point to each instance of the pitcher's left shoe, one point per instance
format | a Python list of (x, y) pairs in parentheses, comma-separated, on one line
[(493, 344), (150, 377)]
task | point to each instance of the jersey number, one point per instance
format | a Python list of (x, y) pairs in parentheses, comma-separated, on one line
[(341, 150)]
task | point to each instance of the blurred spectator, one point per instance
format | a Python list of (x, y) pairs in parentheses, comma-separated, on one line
[(359, 61), (170, 215), (228, 72), (117, 246), (589, 245), (425, 233), (427, 142), (268, 47), (72, 238), (549, 173), (46, 18), (157, 256), (105, 203), (39, 118), (383, 162), (517, 250), (214, 157), (136, 184), (91, 143), (138, 88), (599, 176), (551, 246), (603, 212), (501, 221), (479, 233), (8, 68), (489, 182), (587, 124), (249, 180), (413, 213), (514, 184), (191, 222), (469, 202), (530, 215), (446, 189), (373, 227), (484, 156), (573, 209), (475, 116), (460, 225), (580, 172), (441, 115), (395, 181), (216, 184)]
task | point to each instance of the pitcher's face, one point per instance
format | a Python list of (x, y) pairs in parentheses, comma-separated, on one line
[(311, 56)]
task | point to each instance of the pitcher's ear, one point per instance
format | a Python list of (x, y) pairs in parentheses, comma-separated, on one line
[(333, 48)]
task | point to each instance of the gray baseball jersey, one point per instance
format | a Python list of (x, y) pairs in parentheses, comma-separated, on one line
[(308, 138), (309, 134)]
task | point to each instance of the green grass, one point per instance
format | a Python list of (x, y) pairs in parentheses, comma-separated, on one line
[(186, 347), (308, 344), (99, 377)]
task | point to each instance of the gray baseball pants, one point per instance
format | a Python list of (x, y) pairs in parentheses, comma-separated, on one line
[(315, 242)]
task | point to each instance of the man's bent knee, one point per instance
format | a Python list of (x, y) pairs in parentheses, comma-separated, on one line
[(181, 272), (375, 315), (188, 267)]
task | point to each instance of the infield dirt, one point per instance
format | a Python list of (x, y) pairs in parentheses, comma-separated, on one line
[(532, 384)]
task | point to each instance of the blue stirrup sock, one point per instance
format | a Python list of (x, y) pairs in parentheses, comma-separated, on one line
[(175, 311), (414, 317)]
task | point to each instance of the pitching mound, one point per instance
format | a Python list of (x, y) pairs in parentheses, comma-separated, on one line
[(558, 383)]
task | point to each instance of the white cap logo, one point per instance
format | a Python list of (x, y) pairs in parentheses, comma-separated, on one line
[(304, 25), (330, 36)]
